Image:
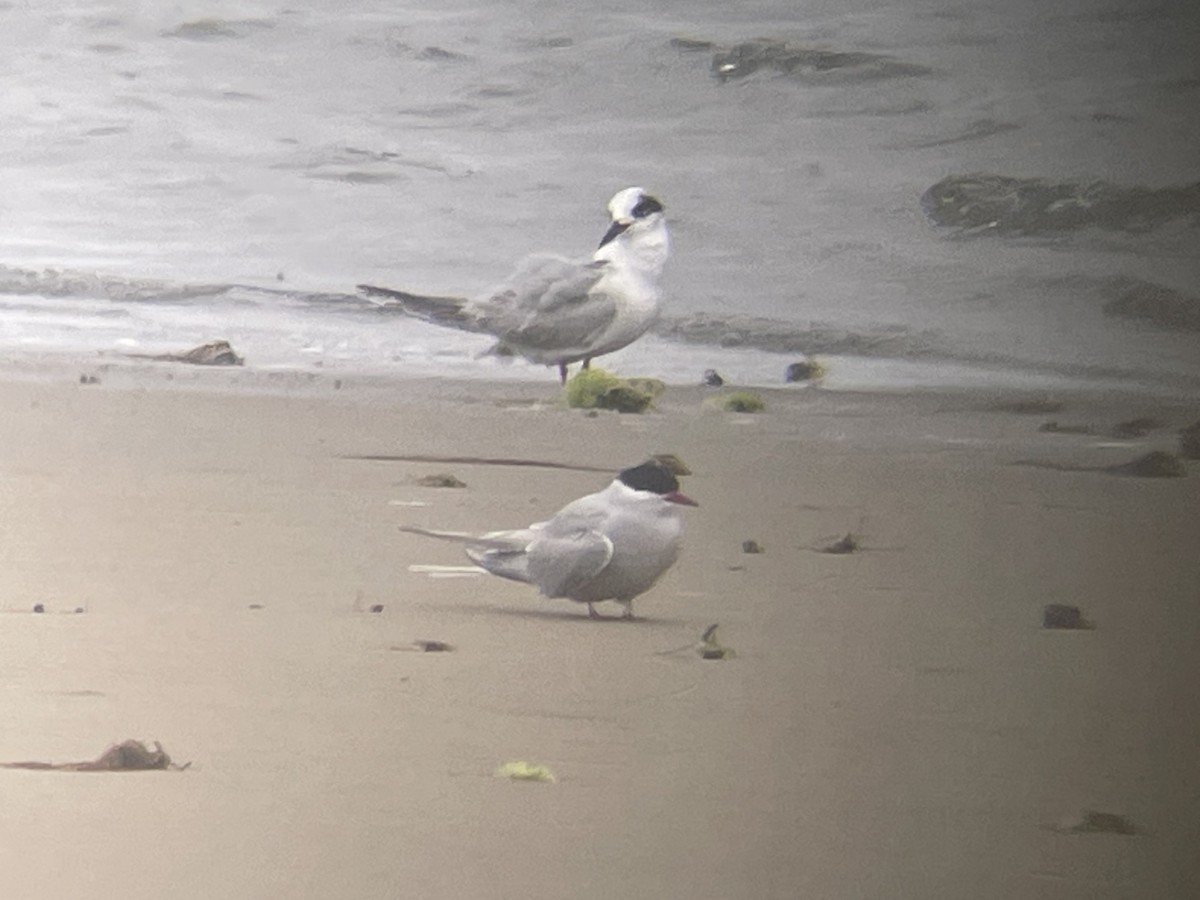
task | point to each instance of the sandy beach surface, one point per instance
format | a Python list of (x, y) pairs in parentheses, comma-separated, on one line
[(896, 723)]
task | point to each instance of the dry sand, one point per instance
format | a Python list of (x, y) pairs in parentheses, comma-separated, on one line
[(896, 724)]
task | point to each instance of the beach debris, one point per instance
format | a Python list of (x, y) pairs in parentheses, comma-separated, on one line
[(1053, 427), (803, 370), (88, 379), (597, 389), (711, 648), (1155, 464), (255, 606), (1136, 428), (128, 756), (79, 610), (423, 646), (1189, 441), (214, 353), (1063, 616), (751, 547), (1090, 821), (523, 770), (39, 607), (712, 378), (847, 544), (377, 607), (984, 203), (672, 464), (440, 480), (740, 402), (798, 62)]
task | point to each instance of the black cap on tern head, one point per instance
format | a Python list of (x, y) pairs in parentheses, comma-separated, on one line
[(650, 476), (626, 208)]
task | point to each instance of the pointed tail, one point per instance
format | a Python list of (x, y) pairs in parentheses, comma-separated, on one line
[(448, 311)]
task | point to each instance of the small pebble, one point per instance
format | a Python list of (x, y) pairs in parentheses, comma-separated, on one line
[(712, 378), (39, 608), (377, 608), (848, 544), (751, 547)]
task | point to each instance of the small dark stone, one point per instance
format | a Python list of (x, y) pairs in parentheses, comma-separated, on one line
[(712, 378), (256, 606), (79, 610), (39, 608), (751, 547), (848, 544), (1189, 441), (1156, 464), (442, 480), (1060, 615), (377, 608), (88, 379), (805, 370), (433, 646)]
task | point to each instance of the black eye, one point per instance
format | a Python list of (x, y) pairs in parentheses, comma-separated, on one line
[(650, 476), (645, 206)]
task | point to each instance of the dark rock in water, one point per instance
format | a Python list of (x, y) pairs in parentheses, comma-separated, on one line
[(847, 544), (1145, 301), (377, 608), (806, 63), (1060, 615), (39, 608), (1189, 441), (999, 204), (804, 370), (441, 480), (1156, 464), (1055, 428), (751, 547), (1136, 428), (712, 378)]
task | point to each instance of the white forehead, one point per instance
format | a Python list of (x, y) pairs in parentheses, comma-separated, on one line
[(620, 207)]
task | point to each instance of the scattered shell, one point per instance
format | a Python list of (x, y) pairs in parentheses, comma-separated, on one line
[(847, 544), (673, 463), (521, 770)]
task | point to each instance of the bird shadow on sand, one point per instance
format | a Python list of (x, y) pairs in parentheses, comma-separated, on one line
[(557, 615)]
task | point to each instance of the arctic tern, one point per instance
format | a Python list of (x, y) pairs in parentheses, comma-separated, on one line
[(554, 310), (611, 545)]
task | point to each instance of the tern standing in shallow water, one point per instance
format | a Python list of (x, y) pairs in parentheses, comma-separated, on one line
[(611, 545), (554, 310)]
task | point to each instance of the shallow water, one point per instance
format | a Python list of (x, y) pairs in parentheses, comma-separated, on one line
[(298, 151)]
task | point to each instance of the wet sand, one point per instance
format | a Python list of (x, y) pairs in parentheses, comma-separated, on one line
[(896, 723)]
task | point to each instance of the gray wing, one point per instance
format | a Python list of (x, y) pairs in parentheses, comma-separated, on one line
[(548, 303), (561, 565), (570, 549)]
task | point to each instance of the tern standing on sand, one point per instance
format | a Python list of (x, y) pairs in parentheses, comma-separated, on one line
[(553, 310), (611, 545)]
